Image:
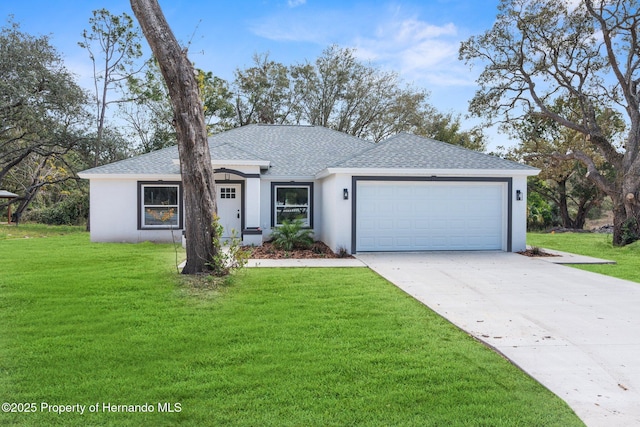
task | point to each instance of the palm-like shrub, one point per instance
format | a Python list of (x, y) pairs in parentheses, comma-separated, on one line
[(291, 235)]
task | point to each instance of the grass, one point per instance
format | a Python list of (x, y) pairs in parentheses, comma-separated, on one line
[(596, 245), (89, 324), (30, 231)]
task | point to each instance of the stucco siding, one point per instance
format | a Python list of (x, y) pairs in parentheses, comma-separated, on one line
[(114, 214), (335, 212), (519, 215)]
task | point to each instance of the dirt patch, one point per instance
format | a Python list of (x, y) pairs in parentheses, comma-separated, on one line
[(317, 250), (605, 220), (536, 252)]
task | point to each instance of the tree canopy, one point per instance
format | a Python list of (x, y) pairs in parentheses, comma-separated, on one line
[(113, 45), (342, 93), (562, 182), (42, 114), (587, 53)]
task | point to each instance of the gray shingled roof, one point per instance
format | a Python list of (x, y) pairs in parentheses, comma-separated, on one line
[(156, 162), (406, 151), (301, 151), (293, 150)]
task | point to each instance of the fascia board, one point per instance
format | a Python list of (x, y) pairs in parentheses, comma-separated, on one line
[(288, 178), (427, 172), (146, 177)]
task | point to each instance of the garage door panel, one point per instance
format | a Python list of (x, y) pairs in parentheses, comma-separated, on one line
[(419, 215), (421, 224)]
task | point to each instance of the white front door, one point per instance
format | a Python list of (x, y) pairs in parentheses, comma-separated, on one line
[(229, 202)]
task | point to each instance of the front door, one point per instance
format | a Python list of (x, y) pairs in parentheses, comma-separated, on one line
[(229, 202)]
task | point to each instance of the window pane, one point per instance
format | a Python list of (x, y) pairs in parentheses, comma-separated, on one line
[(292, 203), (290, 214), (161, 216), (292, 196), (161, 196), (160, 206)]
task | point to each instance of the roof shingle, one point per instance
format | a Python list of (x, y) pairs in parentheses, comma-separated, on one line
[(406, 151), (303, 151)]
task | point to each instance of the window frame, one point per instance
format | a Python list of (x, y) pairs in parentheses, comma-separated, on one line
[(274, 201), (142, 207)]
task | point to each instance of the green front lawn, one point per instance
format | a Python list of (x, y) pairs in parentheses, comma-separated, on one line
[(113, 324), (596, 245)]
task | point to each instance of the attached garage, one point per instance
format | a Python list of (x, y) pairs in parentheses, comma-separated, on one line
[(431, 214)]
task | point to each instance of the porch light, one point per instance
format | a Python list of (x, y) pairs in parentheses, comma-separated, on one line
[(345, 194), (518, 195)]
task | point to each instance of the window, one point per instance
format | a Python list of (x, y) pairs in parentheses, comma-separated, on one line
[(291, 202), (227, 192), (160, 205)]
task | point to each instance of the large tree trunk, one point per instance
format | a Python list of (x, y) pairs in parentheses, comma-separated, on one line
[(195, 160), (626, 212)]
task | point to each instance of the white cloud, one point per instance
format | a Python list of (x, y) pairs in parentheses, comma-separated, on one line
[(296, 3), (422, 52), (419, 50)]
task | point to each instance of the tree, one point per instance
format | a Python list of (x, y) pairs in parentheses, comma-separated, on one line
[(150, 114), (113, 45), (587, 53), (216, 97), (195, 159), (342, 93), (447, 128), (339, 92), (264, 93), (565, 184), (42, 114)]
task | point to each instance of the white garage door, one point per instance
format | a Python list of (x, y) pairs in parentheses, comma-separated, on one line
[(419, 215)]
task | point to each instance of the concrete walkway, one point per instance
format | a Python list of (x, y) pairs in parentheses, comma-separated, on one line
[(578, 333), (310, 262), (560, 257)]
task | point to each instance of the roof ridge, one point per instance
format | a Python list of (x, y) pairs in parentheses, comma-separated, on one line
[(355, 155)]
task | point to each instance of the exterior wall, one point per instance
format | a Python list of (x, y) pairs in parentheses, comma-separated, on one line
[(519, 215), (335, 212), (114, 210), (114, 214), (265, 209)]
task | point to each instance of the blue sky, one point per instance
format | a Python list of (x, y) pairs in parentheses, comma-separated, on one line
[(419, 39)]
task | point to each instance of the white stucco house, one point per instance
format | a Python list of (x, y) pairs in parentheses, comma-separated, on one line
[(406, 193)]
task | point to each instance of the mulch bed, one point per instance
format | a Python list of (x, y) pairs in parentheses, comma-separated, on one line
[(320, 250), (536, 253), (317, 250)]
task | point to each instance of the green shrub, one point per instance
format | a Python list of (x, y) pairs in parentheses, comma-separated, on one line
[(630, 231), (291, 235), (540, 214), (72, 210), (229, 255)]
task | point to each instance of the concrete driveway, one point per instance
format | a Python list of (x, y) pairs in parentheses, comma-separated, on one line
[(577, 333)]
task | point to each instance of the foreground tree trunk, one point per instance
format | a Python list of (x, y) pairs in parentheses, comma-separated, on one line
[(626, 210), (195, 160)]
